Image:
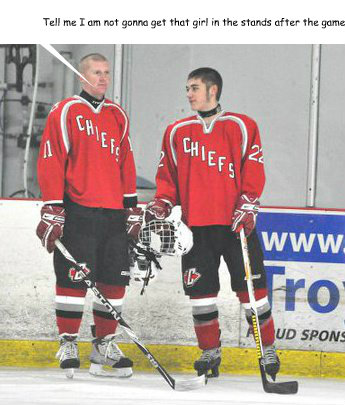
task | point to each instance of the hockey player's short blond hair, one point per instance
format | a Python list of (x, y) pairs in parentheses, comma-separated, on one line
[(98, 57)]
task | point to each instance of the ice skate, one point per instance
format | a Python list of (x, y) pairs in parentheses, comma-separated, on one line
[(271, 361), (209, 360), (105, 352), (68, 354)]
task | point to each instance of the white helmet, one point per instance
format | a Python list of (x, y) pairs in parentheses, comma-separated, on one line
[(172, 238)]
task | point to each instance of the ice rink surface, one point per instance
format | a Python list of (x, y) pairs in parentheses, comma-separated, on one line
[(50, 387)]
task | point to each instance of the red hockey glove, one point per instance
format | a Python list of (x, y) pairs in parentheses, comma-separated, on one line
[(245, 214), (135, 217), (157, 209), (51, 226)]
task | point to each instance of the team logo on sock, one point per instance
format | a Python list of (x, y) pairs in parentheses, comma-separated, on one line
[(190, 277), (76, 275)]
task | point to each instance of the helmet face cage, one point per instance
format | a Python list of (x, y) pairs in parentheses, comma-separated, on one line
[(158, 237)]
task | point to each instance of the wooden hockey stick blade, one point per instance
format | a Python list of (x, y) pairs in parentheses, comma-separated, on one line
[(190, 384), (288, 387), (283, 388)]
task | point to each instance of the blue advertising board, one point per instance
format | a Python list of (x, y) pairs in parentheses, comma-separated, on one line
[(311, 236), (304, 251)]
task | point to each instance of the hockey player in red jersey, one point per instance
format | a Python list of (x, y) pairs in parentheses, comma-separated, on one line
[(212, 165), (87, 178)]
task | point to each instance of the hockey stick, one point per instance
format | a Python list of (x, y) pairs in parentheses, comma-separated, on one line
[(289, 387), (181, 385)]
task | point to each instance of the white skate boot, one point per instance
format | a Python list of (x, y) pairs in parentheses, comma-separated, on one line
[(68, 354), (105, 352)]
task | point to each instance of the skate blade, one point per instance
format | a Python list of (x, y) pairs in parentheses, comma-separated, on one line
[(191, 384), (272, 376), (69, 373), (97, 370), (212, 375), (209, 373)]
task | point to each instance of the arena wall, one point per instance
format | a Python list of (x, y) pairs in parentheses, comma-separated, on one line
[(304, 252)]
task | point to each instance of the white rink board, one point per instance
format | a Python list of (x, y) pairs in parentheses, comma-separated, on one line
[(163, 314)]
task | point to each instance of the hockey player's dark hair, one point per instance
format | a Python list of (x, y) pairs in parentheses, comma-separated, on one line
[(91, 56), (208, 76)]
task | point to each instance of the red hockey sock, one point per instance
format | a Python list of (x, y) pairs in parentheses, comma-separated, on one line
[(264, 314), (205, 318), (69, 309), (259, 293), (208, 334), (105, 324), (267, 332)]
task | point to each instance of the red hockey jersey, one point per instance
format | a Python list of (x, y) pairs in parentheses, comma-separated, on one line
[(85, 153), (205, 168)]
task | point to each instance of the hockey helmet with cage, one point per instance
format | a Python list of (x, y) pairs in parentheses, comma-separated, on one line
[(167, 237)]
